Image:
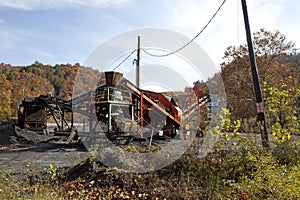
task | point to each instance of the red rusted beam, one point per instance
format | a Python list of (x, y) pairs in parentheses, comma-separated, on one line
[(133, 88), (142, 114)]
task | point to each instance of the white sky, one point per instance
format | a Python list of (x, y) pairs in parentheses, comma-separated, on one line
[(67, 31)]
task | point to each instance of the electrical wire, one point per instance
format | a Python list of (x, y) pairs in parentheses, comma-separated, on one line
[(179, 49), (124, 59)]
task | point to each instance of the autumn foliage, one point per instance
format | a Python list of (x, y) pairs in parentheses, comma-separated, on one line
[(278, 65), (18, 82)]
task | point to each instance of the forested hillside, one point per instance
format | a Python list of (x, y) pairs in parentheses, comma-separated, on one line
[(17, 82)]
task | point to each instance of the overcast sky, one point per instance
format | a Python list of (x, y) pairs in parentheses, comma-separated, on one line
[(67, 31)]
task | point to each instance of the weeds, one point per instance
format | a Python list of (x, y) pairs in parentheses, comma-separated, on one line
[(244, 170), (52, 171)]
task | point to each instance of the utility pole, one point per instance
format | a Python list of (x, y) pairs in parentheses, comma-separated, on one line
[(141, 111), (261, 118), (138, 64)]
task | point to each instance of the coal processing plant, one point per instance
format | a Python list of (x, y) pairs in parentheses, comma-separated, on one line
[(116, 109)]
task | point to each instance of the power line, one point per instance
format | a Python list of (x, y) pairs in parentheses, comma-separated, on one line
[(168, 54), (179, 49), (124, 59)]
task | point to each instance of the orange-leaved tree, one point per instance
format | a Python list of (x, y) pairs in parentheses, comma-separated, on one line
[(273, 53)]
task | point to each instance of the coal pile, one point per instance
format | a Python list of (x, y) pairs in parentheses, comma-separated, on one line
[(7, 134)]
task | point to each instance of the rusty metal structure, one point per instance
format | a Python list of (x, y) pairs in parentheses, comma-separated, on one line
[(34, 115), (118, 109)]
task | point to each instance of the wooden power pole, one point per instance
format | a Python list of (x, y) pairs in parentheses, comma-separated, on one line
[(261, 118)]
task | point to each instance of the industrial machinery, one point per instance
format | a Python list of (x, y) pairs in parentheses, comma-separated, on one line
[(116, 108), (34, 115), (126, 111)]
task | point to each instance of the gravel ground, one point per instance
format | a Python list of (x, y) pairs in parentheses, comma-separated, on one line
[(22, 158)]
